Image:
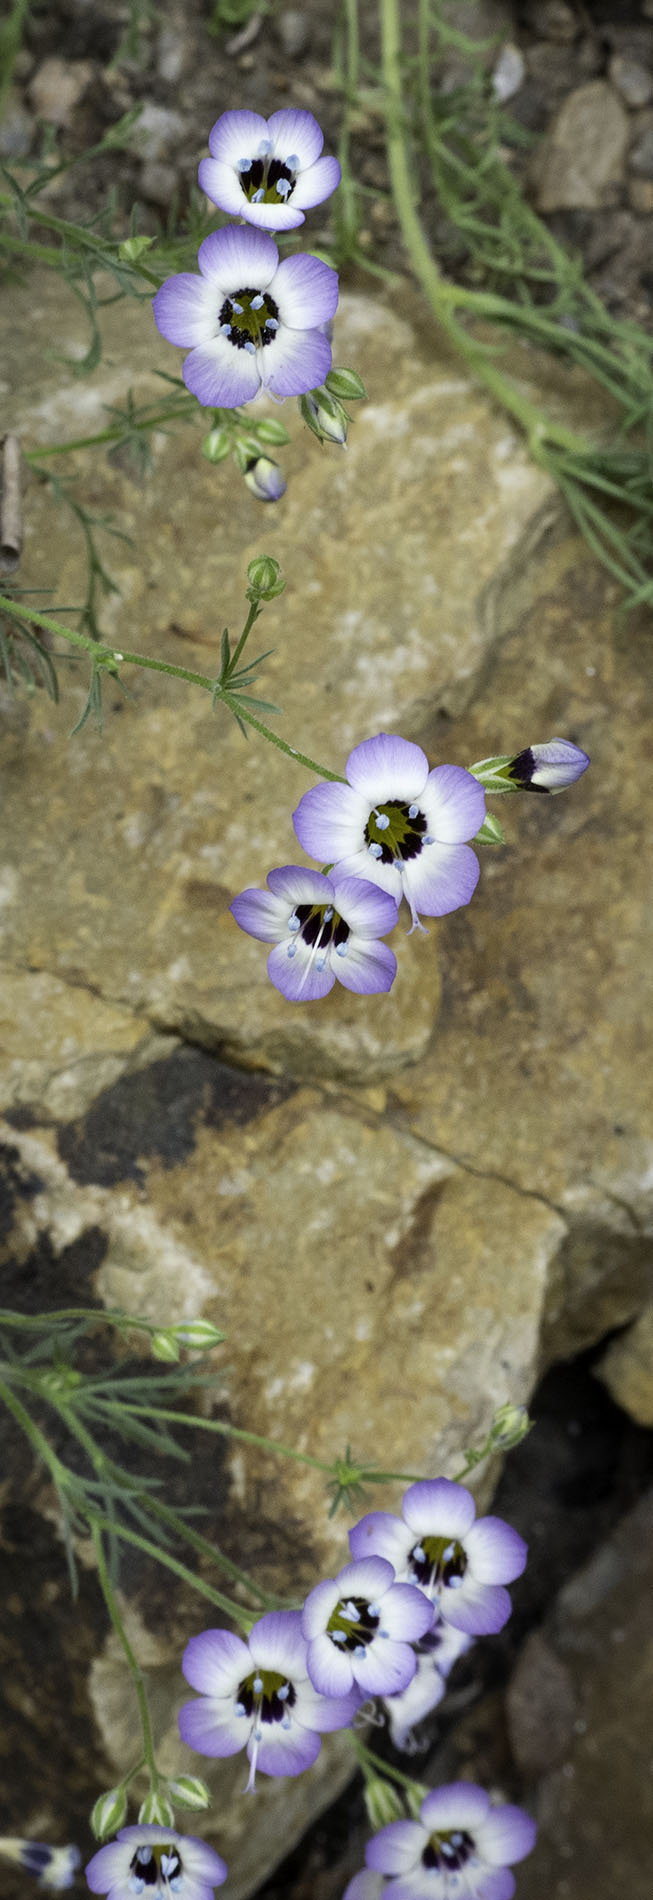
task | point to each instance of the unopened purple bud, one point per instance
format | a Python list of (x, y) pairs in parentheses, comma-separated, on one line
[(264, 479), (548, 768)]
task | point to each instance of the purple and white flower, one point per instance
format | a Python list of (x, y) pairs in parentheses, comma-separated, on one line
[(360, 1627), (365, 1885), (459, 1563), (548, 768), (460, 1846), (158, 1860), (53, 1867), (322, 929), (268, 171), (435, 1656), (257, 1695), (249, 320), (399, 824)]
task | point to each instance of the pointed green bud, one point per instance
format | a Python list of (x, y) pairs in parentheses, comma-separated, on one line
[(109, 1813), (133, 248), (510, 1424), (265, 579), (491, 831), (272, 432), (325, 416), (198, 1335), (157, 1808), (190, 1792), (216, 445), (494, 774), (346, 384), (164, 1345), (383, 1802)]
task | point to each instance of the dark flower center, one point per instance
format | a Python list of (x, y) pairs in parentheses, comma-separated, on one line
[(438, 1560), (320, 921), (266, 1695), (158, 1866), (354, 1623), (249, 318), (266, 180), (447, 1852), (521, 771), (395, 831)]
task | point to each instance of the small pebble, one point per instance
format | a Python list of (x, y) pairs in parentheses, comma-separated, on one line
[(641, 155), (293, 31), (509, 73), (57, 87), (640, 196), (631, 79), (553, 19)]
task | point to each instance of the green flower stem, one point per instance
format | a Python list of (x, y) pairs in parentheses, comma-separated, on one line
[(58, 1471), (116, 434), (372, 1765), (43, 1322), (444, 297), (236, 1611), (136, 1673), (111, 658), (84, 239), (231, 1431)]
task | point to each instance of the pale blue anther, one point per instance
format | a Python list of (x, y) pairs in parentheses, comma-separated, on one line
[(284, 1692), (448, 1553), (292, 950), (373, 1609), (419, 1554), (375, 850), (177, 1885), (257, 1685), (428, 840), (256, 303), (265, 148), (283, 187), (226, 329), (320, 962), (293, 162), (293, 922), (250, 348), (383, 1632), (360, 1650), (168, 1861), (144, 1855), (258, 1735), (258, 196), (287, 1721), (382, 820), (413, 811), (328, 913), (337, 1636), (244, 165), (135, 1885), (456, 1840), (239, 1708), (341, 949), (455, 1583), (272, 323), (238, 307)]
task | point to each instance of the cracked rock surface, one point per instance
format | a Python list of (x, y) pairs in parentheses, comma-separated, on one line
[(397, 1209)]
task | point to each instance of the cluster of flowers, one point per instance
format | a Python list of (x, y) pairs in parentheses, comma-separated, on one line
[(248, 319), (418, 1588), (392, 830)]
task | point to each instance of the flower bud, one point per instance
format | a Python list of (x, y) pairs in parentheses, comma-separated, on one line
[(264, 576), (510, 1424), (190, 1792), (216, 445), (264, 479), (325, 416), (548, 768), (383, 1802), (156, 1807), (198, 1334), (491, 831), (109, 1813), (164, 1345), (346, 384), (132, 248), (273, 432)]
